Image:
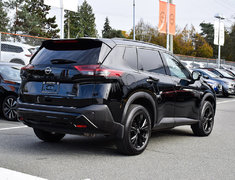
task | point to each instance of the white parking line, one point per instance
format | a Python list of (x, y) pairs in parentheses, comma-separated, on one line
[(18, 127), (222, 102), (7, 174)]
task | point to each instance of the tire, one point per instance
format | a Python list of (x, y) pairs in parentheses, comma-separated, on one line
[(9, 108), (48, 136), (225, 94), (137, 131), (205, 126)]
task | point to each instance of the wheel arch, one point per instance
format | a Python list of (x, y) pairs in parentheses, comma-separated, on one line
[(18, 61), (209, 97), (144, 99)]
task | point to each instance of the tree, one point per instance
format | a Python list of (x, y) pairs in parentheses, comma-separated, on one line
[(4, 19), (107, 29), (202, 48), (33, 20), (232, 38), (87, 27), (109, 32), (71, 24), (16, 5)]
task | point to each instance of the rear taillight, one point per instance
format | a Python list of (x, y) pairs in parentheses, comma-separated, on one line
[(96, 70), (28, 55), (29, 66)]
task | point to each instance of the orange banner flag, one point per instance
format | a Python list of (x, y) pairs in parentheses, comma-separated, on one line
[(162, 16), (162, 26), (172, 19)]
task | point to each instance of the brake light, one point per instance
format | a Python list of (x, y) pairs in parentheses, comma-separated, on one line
[(28, 55), (96, 70), (29, 66)]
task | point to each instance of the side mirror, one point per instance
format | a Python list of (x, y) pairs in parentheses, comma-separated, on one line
[(206, 76), (196, 75)]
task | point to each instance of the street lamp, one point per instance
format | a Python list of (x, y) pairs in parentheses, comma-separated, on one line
[(220, 17)]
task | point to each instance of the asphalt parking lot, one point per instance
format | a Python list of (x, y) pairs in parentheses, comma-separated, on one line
[(171, 154)]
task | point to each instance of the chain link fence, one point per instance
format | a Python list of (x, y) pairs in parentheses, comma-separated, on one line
[(18, 48)]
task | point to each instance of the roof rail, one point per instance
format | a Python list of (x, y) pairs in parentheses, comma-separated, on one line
[(131, 40)]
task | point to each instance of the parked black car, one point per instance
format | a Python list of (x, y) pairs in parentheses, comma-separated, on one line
[(9, 86), (118, 87)]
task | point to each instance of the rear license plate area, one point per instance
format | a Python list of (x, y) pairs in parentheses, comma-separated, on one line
[(50, 87)]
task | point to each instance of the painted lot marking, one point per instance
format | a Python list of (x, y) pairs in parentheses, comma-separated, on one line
[(7, 174), (222, 102), (18, 127)]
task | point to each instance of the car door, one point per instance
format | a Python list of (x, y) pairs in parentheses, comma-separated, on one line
[(150, 63), (187, 91)]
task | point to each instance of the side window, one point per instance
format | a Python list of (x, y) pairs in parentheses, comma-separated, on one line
[(11, 48), (115, 57), (176, 68), (151, 61), (130, 57)]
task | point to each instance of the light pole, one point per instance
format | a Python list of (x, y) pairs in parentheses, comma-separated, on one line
[(133, 19), (220, 17)]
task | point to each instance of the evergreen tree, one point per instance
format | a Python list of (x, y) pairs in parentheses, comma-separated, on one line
[(106, 32), (87, 27), (4, 19), (17, 6), (33, 20), (71, 24)]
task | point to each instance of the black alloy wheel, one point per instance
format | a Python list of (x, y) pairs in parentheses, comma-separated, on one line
[(9, 108), (205, 126), (137, 131)]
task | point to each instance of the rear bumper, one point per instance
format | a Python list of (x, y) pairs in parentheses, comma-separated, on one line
[(70, 120)]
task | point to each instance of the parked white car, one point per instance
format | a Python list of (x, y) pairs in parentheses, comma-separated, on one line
[(16, 52)]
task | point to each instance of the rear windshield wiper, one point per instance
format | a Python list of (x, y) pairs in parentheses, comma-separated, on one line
[(62, 61)]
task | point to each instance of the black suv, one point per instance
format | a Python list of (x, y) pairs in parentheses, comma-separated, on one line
[(116, 87)]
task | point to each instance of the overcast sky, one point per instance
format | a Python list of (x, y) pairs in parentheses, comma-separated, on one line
[(189, 12)]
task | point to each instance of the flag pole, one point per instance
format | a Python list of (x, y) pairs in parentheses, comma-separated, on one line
[(167, 27)]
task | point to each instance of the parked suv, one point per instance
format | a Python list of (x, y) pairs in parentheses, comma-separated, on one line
[(117, 87), (16, 52)]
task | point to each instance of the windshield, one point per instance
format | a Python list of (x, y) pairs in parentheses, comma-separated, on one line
[(225, 74), (11, 73), (211, 74)]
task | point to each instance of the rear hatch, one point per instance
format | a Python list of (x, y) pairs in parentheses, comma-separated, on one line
[(62, 73)]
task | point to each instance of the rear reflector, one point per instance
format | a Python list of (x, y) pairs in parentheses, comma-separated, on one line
[(96, 70), (81, 126), (28, 55), (29, 66)]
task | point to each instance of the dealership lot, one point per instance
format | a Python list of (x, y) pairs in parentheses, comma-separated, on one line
[(171, 154)]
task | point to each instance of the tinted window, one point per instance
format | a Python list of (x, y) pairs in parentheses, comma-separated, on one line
[(10, 72), (176, 68), (130, 57), (81, 52), (11, 48), (150, 60)]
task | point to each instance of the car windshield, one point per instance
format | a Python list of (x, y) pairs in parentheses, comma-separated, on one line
[(10, 72), (211, 74), (225, 74)]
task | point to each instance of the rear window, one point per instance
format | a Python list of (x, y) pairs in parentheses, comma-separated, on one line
[(81, 52), (11, 48)]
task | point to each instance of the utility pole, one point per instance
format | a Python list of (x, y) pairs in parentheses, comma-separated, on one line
[(62, 19), (171, 36), (133, 19)]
